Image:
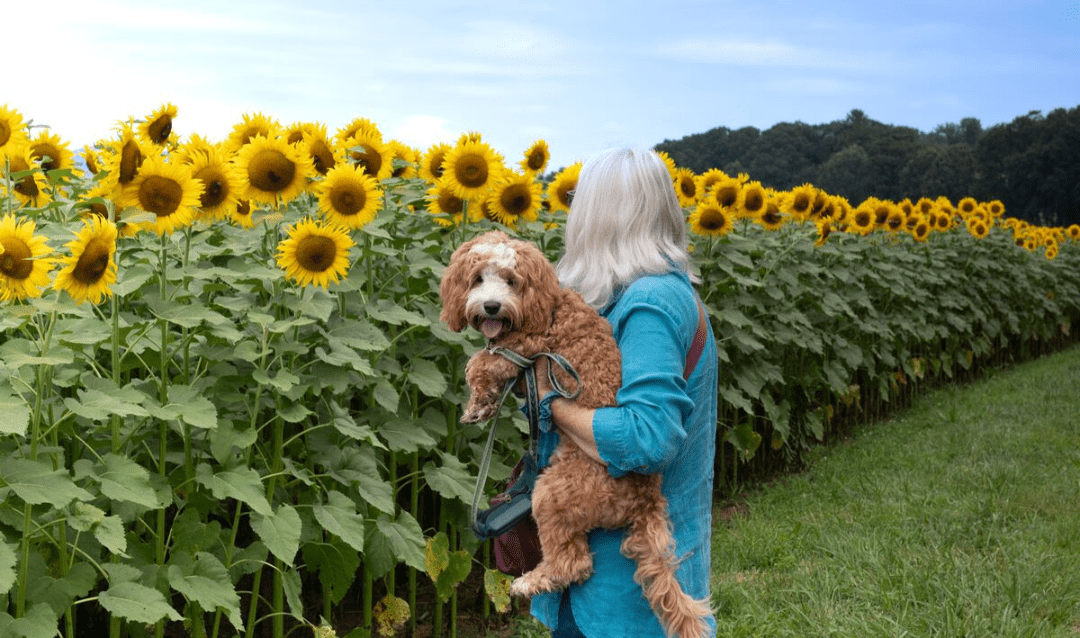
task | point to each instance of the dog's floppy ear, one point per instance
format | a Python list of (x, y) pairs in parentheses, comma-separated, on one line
[(539, 288), (454, 287)]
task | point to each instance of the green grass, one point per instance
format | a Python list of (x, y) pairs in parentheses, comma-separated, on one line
[(958, 517)]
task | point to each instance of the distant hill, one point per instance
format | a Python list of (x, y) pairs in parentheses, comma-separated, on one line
[(1031, 164)]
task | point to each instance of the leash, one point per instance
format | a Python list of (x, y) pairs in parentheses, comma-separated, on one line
[(527, 366)]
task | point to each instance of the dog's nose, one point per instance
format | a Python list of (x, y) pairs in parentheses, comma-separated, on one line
[(492, 307)]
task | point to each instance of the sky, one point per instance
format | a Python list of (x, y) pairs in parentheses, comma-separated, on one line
[(581, 75)]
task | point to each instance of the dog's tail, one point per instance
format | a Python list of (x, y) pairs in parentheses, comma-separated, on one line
[(649, 542)]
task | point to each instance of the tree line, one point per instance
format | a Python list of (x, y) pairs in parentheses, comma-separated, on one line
[(1031, 164)]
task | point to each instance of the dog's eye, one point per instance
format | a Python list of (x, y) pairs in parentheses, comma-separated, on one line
[(477, 280), (510, 281)]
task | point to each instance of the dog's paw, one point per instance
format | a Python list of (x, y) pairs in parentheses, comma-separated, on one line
[(477, 413), (523, 587)]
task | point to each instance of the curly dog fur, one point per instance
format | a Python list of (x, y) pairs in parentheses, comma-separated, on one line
[(508, 290)]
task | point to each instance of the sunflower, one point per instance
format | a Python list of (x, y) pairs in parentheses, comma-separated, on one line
[(710, 218), (404, 159), (323, 154), (536, 158), (431, 164), (24, 269), (967, 207), (93, 162), (359, 125), (275, 171), (943, 218), (196, 143), (31, 188), (94, 202), (221, 182), (978, 228), (924, 206), (996, 208), (158, 127), (123, 157), (167, 190), (469, 136), (560, 188), (12, 129), (1073, 232), (824, 229), (252, 126), (772, 217), (895, 220), (801, 201), (708, 179), (314, 253), (1051, 251), (726, 192), (91, 269), (442, 201), (472, 168), (516, 196), (241, 215), (686, 187), (369, 153), (51, 152), (348, 196), (752, 200), (921, 230), (863, 220)]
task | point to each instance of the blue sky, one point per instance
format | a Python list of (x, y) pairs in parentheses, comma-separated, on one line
[(582, 75)]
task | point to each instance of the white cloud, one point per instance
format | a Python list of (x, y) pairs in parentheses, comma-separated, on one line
[(743, 52)]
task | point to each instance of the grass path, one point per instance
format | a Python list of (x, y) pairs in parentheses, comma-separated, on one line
[(958, 517)]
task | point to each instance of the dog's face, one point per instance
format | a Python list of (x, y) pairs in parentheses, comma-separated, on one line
[(498, 285)]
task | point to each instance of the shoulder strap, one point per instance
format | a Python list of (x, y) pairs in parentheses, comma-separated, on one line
[(698, 345)]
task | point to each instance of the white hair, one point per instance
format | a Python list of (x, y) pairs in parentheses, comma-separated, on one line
[(624, 222)]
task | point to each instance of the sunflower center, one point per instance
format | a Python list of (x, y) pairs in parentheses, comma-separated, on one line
[(687, 188), (801, 203), (368, 159), (48, 154), (93, 262), (160, 195), (727, 196), (516, 199), (99, 209), (436, 165), (160, 129), (316, 253), (26, 186), (450, 203), (772, 216), (471, 171), (754, 201), (535, 160), (5, 132), (712, 220), (271, 171), (130, 160), (243, 209), (215, 190), (863, 219), (15, 261), (348, 199), (321, 157)]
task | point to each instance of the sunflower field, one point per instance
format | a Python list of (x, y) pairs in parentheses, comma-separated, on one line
[(227, 406)]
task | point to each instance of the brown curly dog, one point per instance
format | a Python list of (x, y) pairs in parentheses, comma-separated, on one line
[(508, 290)]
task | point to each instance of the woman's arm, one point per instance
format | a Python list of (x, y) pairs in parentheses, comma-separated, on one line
[(570, 418)]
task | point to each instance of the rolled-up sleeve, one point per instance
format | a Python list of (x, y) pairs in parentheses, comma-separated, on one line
[(646, 430)]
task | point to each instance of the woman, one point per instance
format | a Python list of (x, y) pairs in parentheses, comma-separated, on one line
[(626, 254)]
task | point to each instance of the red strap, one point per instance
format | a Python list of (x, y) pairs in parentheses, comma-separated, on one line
[(698, 345)]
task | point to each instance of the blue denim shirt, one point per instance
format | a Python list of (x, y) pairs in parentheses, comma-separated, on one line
[(661, 424)]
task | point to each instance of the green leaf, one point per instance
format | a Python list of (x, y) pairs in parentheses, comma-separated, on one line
[(335, 562), (99, 406), (242, 483), (386, 395), (339, 517), (36, 482), (447, 570), (427, 377), (7, 567), (386, 310), (205, 581), (497, 586), (225, 440), (280, 532), (451, 479), (360, 334), (403, 435), (405, 537), (125, 480), (186, 313), (290, 580), (39, 622), (14, 414), (137, 603), (189, 405)]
